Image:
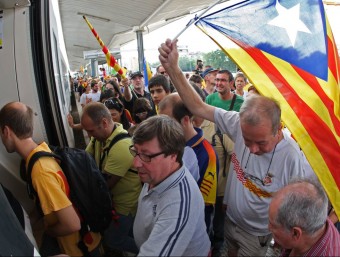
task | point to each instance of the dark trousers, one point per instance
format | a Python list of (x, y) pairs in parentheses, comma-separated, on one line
[(218, 224)]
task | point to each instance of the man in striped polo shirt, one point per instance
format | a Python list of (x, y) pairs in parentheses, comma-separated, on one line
[(170, 214)]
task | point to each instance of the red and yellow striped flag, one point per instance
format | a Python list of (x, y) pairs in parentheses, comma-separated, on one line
[(288, 52), (111, 61)]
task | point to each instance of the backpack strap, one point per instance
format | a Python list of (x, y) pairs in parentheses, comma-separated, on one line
[(114, 140), (232, 103), (30, 190)]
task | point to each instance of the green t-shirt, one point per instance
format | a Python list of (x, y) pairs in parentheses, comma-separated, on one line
[(118, 162), (216, 101)]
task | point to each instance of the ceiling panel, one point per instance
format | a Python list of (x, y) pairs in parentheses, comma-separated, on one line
[(114, 21)]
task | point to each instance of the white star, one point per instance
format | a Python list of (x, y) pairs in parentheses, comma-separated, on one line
[(290, 21)]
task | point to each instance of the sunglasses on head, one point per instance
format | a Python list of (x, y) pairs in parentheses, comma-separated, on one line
[(113, 104)]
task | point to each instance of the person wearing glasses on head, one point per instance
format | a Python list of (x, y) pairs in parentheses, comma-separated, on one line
[(170, 214), (116, 163), (263, 161), (118, 112)]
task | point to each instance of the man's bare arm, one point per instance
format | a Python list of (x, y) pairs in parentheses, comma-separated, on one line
[(168, 56), (68, 223), (127, 90)]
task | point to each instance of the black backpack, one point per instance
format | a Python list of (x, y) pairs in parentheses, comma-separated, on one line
[(89, 193)]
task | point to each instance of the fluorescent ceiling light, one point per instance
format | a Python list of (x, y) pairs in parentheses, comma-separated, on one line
[(93, 17), (86, 47)]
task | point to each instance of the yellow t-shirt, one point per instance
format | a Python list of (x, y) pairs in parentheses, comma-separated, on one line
[(119, 162), (51, 186)]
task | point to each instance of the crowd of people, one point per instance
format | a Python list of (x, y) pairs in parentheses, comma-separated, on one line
[(206, 163)]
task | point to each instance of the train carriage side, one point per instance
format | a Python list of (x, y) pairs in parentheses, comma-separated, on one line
[(33, 71)]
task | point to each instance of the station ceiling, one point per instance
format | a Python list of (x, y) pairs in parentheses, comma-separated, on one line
[(116, 21)]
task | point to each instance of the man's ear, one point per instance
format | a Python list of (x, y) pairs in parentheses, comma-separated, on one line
[(6, 131), (105, 123), (185, 120), (281, 126), (296, 233), (174, 156)]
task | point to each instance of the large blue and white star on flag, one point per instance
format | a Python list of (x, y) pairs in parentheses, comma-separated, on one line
[(293, 31), (289, 20)]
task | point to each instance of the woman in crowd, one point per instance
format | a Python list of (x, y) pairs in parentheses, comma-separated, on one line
[(118, 112), (141, 110)]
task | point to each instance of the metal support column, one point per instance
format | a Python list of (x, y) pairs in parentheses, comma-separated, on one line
[(94, 67), (140, 47)]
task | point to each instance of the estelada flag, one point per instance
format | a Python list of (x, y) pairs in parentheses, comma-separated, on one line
[(287, 50)]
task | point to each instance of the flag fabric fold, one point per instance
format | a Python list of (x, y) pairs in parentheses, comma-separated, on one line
[(147, 72), (287, 50)]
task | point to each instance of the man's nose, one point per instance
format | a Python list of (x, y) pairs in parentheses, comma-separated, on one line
[(137, 162), (253, 148)]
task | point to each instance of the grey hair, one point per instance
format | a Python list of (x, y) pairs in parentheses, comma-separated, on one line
[(256, 108), (241, 75), (305, 208)]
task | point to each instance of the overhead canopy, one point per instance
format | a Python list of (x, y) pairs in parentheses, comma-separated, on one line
[(117, 21)]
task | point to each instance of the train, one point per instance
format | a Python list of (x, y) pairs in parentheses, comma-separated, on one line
[(34, 71)]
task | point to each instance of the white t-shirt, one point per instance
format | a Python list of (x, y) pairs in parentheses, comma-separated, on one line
[(83, 97), (248, 199), (95, 96)]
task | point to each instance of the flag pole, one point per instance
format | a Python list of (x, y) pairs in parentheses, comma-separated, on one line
[(196, 18), (111, 61)]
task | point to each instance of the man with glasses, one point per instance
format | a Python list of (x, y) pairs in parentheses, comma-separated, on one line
[(264, 159), (170, 215), (116, 163), (223, 97), (161, 71)]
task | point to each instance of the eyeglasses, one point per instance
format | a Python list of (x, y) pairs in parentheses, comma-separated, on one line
[(221, 80), (113, 104), (266, 181), (141, 113), (143, 157)]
